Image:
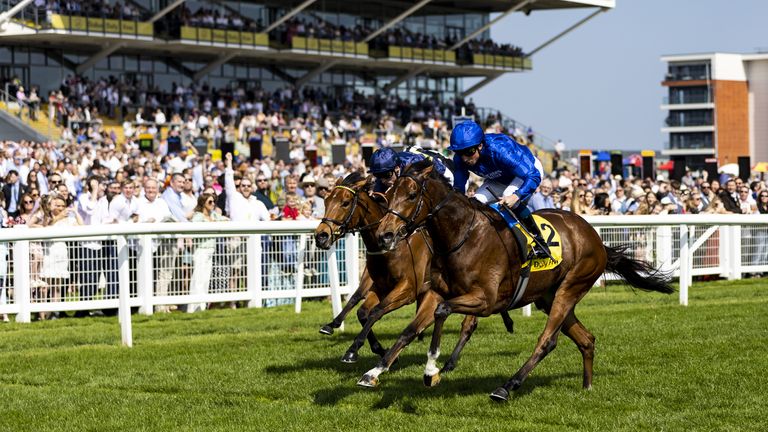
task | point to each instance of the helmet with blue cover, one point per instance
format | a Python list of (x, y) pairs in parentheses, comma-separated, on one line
[(384, 160), (465, 135)]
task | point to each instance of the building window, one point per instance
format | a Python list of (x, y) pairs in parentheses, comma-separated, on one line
[(688, 71), (690, 118), (690, 95), (691, 140)]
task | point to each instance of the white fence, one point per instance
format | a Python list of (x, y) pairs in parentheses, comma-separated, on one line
[(154, 266)]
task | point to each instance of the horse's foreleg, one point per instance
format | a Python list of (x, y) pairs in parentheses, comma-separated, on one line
[(363, 313), (468, 304), (400, 296), (362, 291), (468, 327), (562, 305), (425, 315), (585, 341)]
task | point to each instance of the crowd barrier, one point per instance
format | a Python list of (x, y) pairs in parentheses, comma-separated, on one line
[(152, 266)]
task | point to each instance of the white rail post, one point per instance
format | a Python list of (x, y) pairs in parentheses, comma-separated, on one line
[(123, 276), (664, 247), (724, 251), (736, 252), (527, 310), (333, 276), (685, 264), (302, 249), (21, 277), (353, 263), (145, 275), (254, 257)]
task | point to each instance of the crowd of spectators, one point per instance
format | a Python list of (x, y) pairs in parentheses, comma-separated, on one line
[(606, 195), (126, 10)]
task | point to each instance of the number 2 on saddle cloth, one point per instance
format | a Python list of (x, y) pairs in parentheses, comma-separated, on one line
[(525, 241)]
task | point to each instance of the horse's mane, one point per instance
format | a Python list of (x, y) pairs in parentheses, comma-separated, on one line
[(420, 166), (352, 178)]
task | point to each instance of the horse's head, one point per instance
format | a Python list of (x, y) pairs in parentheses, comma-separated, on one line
[(411, 202), (348, 208)]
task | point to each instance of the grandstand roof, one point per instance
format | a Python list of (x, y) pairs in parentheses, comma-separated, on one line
[(454, 6)]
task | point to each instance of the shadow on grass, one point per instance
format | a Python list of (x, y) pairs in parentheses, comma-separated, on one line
[(394, 390)]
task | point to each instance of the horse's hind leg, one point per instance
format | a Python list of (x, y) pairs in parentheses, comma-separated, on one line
[(468, 327), (425, 315), (574, 329), (365, 286), (562, 305), (508, 323)]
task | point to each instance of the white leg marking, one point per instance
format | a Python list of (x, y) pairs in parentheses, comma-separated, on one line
[(432, 369), (375, 372)]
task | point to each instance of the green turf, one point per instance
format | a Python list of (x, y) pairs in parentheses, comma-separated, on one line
[(658, 366)]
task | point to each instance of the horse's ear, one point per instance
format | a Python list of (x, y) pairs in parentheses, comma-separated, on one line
[(426, 171)]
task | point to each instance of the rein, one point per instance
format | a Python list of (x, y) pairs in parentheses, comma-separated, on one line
[(343, 226), (410, 222)]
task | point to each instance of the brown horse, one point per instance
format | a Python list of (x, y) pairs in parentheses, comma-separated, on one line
[(392, 278), (480, 276)]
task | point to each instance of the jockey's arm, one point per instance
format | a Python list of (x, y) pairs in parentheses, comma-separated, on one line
[(460, 175)]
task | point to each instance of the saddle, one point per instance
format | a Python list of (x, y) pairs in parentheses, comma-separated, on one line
[(525, 242)]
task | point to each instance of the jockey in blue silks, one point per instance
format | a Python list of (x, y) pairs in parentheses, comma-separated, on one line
[(387, 164), (509, 168)]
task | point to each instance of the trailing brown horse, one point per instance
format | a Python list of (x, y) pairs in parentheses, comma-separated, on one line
[(480, 276), (392, 278)]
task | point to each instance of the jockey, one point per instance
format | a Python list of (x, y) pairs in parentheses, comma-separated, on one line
[(510, 170), (386, 165)]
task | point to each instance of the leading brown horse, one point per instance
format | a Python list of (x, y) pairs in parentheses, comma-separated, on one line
[(392, 278), (480, 276)]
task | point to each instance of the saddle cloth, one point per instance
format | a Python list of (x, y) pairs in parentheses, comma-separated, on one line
[(525, 242)]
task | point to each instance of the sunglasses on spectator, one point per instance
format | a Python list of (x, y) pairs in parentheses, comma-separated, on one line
[(187, 179), (763, 196), (28, 202), (54, 181), (385, 175), (245, 185), (582, 184), (468, 151), (209, 202), (260, 180), (705, 186)]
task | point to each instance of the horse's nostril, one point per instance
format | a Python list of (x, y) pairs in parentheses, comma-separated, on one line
[(388, 236), (321, 238)]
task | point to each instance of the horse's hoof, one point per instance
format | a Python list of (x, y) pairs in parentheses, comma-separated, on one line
[(368, 381), (326, 330), (432, 380), (349, 357), (448, 367), (500, 395)]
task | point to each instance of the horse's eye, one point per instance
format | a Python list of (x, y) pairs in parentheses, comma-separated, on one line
[(412, 195), (345, 204)]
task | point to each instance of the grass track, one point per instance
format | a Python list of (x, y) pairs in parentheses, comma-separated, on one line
[(658, 366)]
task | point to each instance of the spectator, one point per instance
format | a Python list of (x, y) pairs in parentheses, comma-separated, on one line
[(309, 186), (730, 198), (542, 199), (172, 197), (12, 191), (205, 211), (124, 207)]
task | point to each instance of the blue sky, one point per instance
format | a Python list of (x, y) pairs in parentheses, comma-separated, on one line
[(599, 86)]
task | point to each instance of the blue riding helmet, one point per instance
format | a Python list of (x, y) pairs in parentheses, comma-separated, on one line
[(465, 135), (384, 160)]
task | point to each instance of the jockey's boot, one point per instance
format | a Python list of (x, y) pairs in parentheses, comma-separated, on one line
[(540, 248)]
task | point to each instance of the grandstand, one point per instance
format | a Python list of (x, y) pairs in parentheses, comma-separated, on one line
[(408, 59)]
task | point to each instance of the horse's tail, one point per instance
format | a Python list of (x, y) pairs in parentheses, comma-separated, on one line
[(635, 272)]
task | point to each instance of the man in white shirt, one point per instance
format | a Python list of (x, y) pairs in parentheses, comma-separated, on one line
[(166, 250), (124, 207), (243, 206), (98, 256)]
